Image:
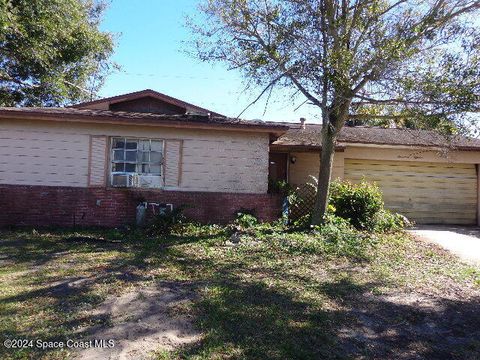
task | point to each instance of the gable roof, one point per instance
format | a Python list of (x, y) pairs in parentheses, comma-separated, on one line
[(143, 94), (310, 137), (135, 118)]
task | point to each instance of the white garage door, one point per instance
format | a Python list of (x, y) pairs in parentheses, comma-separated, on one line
[(429, 193)]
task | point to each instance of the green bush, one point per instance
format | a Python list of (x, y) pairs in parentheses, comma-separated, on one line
[(245, 221), (387, 221), (360, 203), (342, 239), (302, 223), (336, 237), (164, 223)]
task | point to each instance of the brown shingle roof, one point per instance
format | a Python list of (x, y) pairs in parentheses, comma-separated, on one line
[(310, 137), (107, 116)]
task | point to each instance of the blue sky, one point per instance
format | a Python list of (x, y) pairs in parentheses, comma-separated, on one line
[(151, 51)]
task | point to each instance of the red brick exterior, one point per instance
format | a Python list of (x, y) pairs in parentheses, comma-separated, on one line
[(109, 207)]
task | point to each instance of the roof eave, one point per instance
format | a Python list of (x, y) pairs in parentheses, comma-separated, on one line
[(79, 118), (302, 147), (343, 145)]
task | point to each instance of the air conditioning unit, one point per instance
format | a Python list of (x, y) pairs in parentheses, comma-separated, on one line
[(125, 180)]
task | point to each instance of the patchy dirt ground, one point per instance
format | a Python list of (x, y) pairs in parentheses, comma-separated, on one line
[(413, 326), (143, 321), (278, 297)]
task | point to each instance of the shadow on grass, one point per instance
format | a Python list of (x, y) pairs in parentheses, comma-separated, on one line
[(256, 317), (56, 300), (254, 321)]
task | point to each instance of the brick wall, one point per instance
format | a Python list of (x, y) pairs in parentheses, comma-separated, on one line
[(109, 207)]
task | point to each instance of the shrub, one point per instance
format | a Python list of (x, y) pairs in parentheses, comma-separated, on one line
[(245, 221), (336, 237), (193, 229), (342, 239), (164, 223), (302, 223), (278, 187), (358, 203), (387, 221)]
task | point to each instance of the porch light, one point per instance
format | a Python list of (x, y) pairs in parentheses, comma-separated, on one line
[(293, 159)]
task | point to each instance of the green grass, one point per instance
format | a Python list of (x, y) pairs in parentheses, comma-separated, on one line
[(273, 296)]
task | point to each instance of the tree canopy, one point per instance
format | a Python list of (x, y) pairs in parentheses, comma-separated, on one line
[(410, 62), (404, 59), (51, 51)]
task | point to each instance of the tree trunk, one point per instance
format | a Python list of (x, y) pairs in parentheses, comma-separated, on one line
[(326, 162)]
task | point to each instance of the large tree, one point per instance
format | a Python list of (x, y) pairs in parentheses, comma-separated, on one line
[(410, 61), (51, 51)]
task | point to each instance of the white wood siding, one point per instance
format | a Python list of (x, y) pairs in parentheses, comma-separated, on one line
[(212, 160), (42, 156), (230, 163)]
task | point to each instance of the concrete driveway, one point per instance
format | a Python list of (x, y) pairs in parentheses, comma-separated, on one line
[(463, 241)]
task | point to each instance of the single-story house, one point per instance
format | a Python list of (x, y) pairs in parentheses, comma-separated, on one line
[(93, 163)]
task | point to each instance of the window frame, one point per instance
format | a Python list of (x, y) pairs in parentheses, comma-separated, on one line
[(137, 164)]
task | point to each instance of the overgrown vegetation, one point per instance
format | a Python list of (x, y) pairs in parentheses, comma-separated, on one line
[(361, 205), (164, 222), (275, 294), (261, 290)]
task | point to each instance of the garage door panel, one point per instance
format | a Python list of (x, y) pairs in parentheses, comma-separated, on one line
[(386, 173), (424, 192), (422, 166), (406, 183), (419, 207), (443, 221), (460, 181), (443, 195)]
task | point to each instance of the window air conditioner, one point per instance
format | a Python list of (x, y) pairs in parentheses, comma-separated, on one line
[(125, 180)]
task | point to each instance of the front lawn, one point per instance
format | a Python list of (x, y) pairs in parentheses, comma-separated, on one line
[(271, 296)]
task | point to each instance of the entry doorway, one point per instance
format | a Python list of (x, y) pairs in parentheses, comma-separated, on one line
[(277, 169)]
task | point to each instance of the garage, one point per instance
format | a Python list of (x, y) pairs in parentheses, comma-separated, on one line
[(426, 192)]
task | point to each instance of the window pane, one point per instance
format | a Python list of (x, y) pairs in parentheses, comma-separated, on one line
[(118, 155), (131, 144), (144, 145), (157, 145), (131, 156), (142, 157), (118, 167), (145, 168), (155, 169), (130, 167), (155, 157), (136, 156), (118, 144)]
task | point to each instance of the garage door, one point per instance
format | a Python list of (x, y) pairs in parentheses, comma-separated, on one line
[(429, 193)]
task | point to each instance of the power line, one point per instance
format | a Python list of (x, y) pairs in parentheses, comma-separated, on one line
[(165, 76)]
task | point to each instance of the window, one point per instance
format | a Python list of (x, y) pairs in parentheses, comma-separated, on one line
[(135, 157)]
